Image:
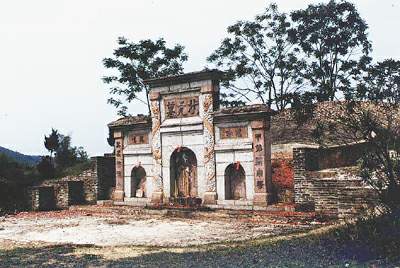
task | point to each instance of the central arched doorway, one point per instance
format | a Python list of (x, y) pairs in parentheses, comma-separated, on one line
[(183, 173), (235, 182), (138, 182)]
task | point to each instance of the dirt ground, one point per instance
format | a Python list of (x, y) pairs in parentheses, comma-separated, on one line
[(115, 227), (95, 236), (125, 237)]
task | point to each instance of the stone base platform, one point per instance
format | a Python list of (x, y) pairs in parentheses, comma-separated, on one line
[(238, 205), (276, 213)]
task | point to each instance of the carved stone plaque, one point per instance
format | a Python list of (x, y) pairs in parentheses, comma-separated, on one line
[(181, 107), (233, 132), (138, 138)]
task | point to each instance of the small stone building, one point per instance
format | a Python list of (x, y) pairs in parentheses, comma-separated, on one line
[(96, 183), (189, 150)]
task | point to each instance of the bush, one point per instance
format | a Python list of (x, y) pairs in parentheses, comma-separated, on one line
[(380, 235)]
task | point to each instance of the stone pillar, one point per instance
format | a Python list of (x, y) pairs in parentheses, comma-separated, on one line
[(157, 196), (119, 166), (262, 163), (210, 196)]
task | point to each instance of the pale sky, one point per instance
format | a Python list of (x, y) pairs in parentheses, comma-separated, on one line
[(51, 55)]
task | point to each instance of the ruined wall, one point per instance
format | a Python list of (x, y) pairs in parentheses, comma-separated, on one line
[(334, 157), (334, 191), (288, 133), (61, 188), (105, 167), (97, 182), (41, 198)]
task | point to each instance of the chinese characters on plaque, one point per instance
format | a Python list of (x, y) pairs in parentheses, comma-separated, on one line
[(233, 132), (118, 148), (138, 138), (118, 158), (181, 107), (259, 158)]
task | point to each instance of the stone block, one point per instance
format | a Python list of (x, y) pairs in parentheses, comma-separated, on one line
[(117, 134), (118, 195), (210, 198), (226, 202), (221, 167), (105, 202), (243, 156), (154, 95), (157, 198), (188, 140), (243, 203), (261, 199), (221, 187), (224, 157), (259, 124)]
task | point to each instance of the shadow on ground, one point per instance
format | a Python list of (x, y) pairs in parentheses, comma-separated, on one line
[(370, 242), (298, 252)]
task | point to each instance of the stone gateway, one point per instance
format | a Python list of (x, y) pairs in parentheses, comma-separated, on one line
[(191, 150)]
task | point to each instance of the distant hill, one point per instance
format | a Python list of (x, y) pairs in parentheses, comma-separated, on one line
[(30, 160)]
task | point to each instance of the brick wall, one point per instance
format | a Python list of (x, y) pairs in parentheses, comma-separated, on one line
[(335, 192), (334, 157)]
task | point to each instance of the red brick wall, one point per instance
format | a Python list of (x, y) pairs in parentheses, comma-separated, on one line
[(282, 173), (283, 176)]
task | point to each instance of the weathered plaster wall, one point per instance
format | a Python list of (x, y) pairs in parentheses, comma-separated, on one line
[(134, 156), (190, 139), (229, 151)]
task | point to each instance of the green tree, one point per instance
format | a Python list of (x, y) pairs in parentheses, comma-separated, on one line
[(334, 39), (259, 61), (46, 168), (134, 62), (66, 155), (52, 142), (380, 84), (110, 139), (372, 114), (10, 169)]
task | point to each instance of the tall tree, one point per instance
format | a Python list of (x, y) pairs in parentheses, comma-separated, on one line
[(380, 84), (259, 61), (372, 114), (52, 142), (68, 155), (334, 39), (134, 62)]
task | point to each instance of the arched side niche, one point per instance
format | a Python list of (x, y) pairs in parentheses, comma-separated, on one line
[(235, 182), (183, 173), (138, 182)]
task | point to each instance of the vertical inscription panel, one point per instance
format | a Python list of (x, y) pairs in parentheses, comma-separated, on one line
[(180, 107), (119, 166), (259, 155)]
